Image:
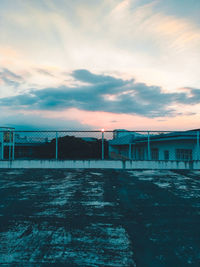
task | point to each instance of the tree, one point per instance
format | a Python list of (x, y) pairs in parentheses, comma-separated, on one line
[(71, 147)]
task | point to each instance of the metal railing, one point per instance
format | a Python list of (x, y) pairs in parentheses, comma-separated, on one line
[(116, 144)]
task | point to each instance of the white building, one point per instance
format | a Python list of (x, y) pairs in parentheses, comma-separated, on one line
[(165, 146)]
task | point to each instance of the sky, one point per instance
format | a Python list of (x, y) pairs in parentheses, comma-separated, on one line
[(93, 64)]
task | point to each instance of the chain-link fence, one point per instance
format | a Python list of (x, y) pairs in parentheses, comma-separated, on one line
[(117, 144), (155, 145)]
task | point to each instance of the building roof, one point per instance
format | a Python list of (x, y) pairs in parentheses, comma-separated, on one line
[(123, 140), (138, 139)]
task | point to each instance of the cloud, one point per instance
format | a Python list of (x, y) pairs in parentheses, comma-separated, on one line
[(88, 77), (21, 121), (160, 29), (44, 72), (68, 35), (11, 74), (127, 97), (10, 78)]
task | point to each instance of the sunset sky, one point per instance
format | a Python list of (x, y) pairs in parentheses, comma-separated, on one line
[(92, 64)]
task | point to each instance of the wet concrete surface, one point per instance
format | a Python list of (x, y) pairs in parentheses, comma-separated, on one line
[(99, 218)]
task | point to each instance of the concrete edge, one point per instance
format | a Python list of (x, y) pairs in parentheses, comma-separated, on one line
[(101, 164)]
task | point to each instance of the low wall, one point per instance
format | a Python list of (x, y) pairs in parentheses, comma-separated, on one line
[(101, 164)]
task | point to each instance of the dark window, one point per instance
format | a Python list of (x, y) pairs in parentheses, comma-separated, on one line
[(184, 154), (166, 154), (154, 153)]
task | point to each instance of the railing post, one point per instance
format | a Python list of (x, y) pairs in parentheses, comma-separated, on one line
[(102, 148), (198, 145), (130, 151), (2, 146), (9, 145), (148, 148), (13, 147), (56, 145)]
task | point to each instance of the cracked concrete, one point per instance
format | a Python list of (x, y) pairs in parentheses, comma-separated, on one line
[(99, 218)]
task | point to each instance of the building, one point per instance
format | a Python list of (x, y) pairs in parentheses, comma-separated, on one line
[(180, 146), (13, 145), (26, 146)]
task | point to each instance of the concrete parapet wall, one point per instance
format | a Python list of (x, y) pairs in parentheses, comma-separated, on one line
[(101, 164)]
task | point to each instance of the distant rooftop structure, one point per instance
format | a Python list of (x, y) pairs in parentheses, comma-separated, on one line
[(30, 139), (6, 134), (3, 128), (121, 133), (89, 139)]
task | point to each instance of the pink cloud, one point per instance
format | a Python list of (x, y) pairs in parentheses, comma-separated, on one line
[(110, 121)]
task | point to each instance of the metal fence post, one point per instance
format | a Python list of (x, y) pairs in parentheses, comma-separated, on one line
[(2, 146), (102, 148), (9, 145), (130, 151), (56, 145), (13, 147), (198, 145), (148, 148)]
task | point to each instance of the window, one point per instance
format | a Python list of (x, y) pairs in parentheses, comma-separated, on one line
[(184, 154), (154, 153), (166, 155)]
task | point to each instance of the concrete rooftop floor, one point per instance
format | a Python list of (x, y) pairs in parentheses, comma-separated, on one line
[(99, 218)]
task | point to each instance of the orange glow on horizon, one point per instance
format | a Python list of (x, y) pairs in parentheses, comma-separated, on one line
[(113, 121)]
